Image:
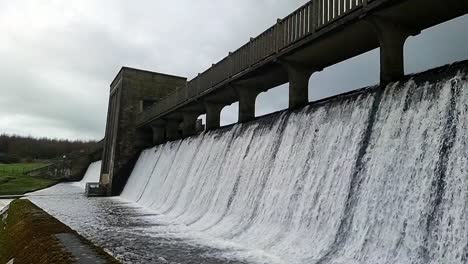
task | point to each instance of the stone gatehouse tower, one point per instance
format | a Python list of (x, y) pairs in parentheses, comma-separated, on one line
[(131, 91)]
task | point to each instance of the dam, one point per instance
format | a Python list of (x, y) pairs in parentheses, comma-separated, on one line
[(149, 108), (374, 176)]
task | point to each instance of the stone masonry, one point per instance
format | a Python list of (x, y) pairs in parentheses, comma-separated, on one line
[(131, 91)]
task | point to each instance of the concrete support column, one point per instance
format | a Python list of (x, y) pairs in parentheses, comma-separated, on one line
[(299, 76), (189, 125), (247, 97), (159, 133), (213, 115), (392, 38), (172, 129)]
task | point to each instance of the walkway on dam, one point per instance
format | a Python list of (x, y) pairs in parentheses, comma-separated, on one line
[(319, 34)]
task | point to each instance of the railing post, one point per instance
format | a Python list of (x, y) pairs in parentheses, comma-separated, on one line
[(198, 83), (230, 65), (313, 16), (278, 33), (251, 52)]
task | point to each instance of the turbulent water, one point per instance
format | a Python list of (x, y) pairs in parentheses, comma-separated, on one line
[(376, 178), (92, 174), (379, 176)]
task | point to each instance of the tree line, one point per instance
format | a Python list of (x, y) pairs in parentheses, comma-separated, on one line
[(14, 148)]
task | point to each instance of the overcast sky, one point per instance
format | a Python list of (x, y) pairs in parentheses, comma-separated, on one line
[(59, 57)]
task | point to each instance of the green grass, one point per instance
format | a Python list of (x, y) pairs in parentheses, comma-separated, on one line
[(14, 182)]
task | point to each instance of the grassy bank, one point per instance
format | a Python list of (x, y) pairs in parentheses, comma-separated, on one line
[(14, 182)]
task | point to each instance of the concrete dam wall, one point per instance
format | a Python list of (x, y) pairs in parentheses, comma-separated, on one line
[(377, 176)]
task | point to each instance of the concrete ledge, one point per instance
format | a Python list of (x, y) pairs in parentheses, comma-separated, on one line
[(30, 235), (10, 197)]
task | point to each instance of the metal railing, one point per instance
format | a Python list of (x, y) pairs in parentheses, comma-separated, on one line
[(303, 22)]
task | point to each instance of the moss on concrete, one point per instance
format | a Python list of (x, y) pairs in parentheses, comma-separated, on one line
[(29, 235)]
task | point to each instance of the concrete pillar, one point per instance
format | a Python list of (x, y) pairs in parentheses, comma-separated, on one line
[(299, 76), (172, 129), (213, 115), (189, 125), (199, 126), (392, 38), (159, 133), (247, 97)]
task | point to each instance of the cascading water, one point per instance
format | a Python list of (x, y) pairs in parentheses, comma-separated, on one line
[(92, 174), (378, 177)]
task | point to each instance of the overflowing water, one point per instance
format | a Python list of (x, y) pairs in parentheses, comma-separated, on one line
[(92, 174), (379, 176)]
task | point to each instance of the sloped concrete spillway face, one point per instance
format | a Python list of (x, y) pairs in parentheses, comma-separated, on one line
[(378, 177), (92, 174)]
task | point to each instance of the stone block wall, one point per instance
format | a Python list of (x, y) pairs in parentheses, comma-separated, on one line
[(70, 168), (131, 91)]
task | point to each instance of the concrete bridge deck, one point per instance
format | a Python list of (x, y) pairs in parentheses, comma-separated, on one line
[(317, 35)]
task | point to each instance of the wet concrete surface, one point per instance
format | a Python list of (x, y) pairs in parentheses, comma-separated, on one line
[(81, 253), (131, 234)]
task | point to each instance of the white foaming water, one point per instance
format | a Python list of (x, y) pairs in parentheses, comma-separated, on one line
[(349, 181), (92, 174), (3, 204)]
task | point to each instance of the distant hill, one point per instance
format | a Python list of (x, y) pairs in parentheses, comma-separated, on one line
[(14, 148)]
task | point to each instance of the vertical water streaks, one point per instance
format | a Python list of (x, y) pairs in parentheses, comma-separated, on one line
[(397, 194), (439, 183), (447, 228), (352, 194), (266, 185), (376, 177)]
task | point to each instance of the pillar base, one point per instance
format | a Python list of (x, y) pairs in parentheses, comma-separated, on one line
[(172, 129), (299, 76), (213, 115), (159, 133), (392, 37), (247, 97), (189, 125)]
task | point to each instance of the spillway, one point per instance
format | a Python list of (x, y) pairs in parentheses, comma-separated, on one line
[(92, 174), (376, 177)]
